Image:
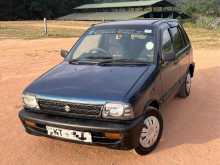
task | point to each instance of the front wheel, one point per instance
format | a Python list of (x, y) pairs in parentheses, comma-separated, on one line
[(151, 132)]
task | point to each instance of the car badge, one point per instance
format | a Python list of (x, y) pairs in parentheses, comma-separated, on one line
[(67, 108)]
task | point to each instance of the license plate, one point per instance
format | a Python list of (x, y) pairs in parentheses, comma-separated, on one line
[(69, 134)]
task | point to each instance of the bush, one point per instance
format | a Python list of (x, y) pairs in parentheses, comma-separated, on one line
[(212, 23), (201, 7), (205, 22)]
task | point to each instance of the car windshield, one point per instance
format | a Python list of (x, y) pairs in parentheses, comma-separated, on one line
[(116, 45)]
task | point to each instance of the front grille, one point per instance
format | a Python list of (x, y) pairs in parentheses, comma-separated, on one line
[(58, 107)]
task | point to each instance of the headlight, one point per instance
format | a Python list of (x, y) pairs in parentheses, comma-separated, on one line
[(30, 101), (117, 110)]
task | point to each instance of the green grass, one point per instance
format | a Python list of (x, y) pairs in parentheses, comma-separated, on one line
[(19, 32), (23, 33), (202, 37), (35, 29), (65, 29)]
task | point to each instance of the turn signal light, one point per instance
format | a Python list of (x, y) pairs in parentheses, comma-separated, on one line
[(31, 124), (114, 136)]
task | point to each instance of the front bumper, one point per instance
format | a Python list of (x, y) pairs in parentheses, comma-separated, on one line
[(129, 131)]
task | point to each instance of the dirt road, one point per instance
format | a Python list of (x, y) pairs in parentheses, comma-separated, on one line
[(192, 125)]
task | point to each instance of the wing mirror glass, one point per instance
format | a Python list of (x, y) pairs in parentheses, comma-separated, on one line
[(63, 53)]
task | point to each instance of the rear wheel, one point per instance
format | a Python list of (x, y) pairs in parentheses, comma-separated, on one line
[(151, 132), (185, 89)]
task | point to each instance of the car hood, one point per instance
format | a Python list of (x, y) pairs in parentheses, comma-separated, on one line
[(87, 82)]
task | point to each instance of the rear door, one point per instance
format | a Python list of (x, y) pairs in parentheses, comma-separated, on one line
[(169, 70), (184, 56), (180, 50)]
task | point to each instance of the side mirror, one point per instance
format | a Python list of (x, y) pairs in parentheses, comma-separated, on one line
[(63, 53), (169, 57)]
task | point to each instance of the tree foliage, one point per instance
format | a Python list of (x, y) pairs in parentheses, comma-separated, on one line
[(37, 9)]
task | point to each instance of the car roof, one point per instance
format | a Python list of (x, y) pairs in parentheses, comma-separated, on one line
[(144, 22)]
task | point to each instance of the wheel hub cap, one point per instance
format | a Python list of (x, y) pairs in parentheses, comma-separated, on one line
[(149, 132), (188, 83)]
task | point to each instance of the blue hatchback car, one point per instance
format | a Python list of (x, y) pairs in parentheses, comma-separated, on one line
[(111, 85)]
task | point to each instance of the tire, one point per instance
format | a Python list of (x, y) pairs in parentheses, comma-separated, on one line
[(148, 144), (185, 89)]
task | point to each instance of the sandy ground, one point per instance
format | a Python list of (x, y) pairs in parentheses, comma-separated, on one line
[(192, 125)]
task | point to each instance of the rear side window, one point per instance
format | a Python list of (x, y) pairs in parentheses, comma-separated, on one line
[(178, 43), (185, 37), (166, 43)]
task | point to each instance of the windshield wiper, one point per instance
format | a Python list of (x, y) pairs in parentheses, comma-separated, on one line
[(109, 60), (98, 57), (80, 61), (123, 61), (90, 59)]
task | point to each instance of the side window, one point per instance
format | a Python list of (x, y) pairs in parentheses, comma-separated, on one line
[(178, 43), (166, 43), (185, 37)]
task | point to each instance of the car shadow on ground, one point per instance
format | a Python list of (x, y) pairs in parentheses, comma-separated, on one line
[(194, 120)]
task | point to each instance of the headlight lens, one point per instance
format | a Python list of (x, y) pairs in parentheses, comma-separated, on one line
[(117, 110), (30, 101)]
